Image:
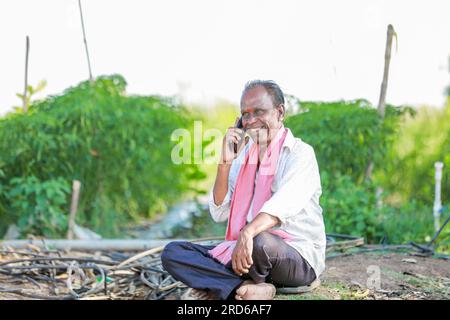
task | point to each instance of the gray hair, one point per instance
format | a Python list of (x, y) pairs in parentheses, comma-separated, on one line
[(271, 87)]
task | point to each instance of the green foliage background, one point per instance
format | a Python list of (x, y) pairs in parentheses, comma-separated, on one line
[(346, 136), (117, 145)]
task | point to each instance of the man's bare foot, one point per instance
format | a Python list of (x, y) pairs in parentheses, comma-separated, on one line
[(249, 290), (197, 294)]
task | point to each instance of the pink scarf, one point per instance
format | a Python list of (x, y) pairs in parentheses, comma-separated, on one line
[(245, 188)]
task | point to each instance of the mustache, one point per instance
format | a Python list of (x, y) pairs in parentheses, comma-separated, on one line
[(258, 127), (258, 133)]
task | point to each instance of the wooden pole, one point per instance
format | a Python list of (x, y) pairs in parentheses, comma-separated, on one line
[(387, 61), (27, 50), (382, 102), (73, 208), (85, 41)]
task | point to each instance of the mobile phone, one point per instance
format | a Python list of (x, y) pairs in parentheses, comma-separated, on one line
[(239, 126)]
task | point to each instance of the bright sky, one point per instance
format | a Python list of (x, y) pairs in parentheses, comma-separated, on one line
[(205, 49)]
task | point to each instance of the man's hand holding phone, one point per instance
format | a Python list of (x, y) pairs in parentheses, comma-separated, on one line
[(233, 142)]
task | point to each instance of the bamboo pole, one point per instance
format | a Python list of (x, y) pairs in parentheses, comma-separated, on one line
[(85, 41), (382, 101), (387, 61)]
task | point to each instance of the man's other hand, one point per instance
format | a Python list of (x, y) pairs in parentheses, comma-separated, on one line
[(242, 253)]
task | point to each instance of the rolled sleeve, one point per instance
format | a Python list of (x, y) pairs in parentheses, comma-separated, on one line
[(298, 185), (220, 213)]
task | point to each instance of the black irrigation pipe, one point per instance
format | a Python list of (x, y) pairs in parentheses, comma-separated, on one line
[(342, 236), (21, 253), (428, 249), (365, 250), (35, 296), (407, 248), (104, 262)]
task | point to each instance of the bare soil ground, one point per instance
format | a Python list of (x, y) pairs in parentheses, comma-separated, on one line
[(382, 276), (367, 276)]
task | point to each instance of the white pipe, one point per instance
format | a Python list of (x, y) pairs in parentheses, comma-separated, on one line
[(93, 245), (437, 195)]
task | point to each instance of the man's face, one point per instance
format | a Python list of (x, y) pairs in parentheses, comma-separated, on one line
[(259, 116)]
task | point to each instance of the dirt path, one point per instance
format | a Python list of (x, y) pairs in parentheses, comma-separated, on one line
[(392, 276)]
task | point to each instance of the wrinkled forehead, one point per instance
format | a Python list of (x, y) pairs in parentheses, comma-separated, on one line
[(256, 98)]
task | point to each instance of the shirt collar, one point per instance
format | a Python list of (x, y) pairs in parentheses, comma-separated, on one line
[(289, 141)]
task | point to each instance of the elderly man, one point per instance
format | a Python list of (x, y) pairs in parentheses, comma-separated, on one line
[(268, 188)]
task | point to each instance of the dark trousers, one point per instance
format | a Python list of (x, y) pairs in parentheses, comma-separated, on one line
[(274, 261)]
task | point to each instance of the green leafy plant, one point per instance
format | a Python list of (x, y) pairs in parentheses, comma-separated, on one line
[(408, 173), (350, 208), (411, 221), (41, 207), (354, 209), (31, 91), (346, 135), (117, 145)]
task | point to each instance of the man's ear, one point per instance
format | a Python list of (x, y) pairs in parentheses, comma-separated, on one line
[(282, 112)]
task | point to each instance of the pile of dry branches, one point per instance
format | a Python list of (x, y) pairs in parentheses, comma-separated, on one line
[(36, 273)]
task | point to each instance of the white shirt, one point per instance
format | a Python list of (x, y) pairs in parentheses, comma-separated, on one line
[(295, 197)]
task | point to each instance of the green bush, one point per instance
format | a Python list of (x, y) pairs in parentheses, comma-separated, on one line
[(346, 135), (352, 209), (117, 145), (412, 221), (409, 172), (39, 206)]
